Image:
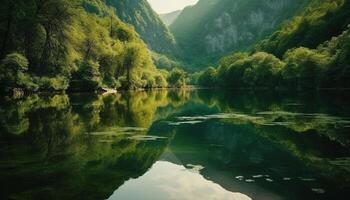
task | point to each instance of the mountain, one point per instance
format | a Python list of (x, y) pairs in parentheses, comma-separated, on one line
[(169, 18), (310, 51), (71, 44), (319, 22), (146, 23), (213, 28)]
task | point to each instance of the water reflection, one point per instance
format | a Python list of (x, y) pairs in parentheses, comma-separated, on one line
[(189, 144), (166, 180)]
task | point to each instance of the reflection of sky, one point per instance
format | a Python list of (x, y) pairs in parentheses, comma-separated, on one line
[(168, 181)]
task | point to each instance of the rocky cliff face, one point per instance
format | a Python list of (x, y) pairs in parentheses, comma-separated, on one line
[(213, 28), (146, 22)]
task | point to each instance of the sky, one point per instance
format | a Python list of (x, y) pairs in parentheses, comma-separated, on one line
[(166, 6)]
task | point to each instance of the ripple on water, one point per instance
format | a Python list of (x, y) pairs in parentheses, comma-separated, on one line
[(184, 122), (307, 179), (318, 190), (146, 137)]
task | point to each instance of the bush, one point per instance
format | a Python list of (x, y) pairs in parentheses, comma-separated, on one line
[(263, 71), (304, 67), (87, 78), (53, 83), (13, 74), (208, 77), (177, 78)]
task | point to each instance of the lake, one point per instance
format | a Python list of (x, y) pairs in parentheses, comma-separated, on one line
[(176, 144)]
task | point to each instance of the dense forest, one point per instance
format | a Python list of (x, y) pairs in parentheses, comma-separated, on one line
[(147, 23), (222, 99), (309, 51), (86, 45), (78, 45)]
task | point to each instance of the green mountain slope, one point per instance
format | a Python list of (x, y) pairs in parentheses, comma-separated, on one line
[(213, 28), (169, 18), (311, 51), (76, 44), (322, 20), (146, 22)]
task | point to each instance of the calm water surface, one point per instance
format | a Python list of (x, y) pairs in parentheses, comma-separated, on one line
[(160, 145)]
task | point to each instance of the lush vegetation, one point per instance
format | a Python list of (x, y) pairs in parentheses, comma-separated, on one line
[(304, 54), (213, 28), (147, 23), (83, 45), (78, 45), (319, 22)]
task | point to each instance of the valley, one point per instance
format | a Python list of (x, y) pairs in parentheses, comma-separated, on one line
[(174, 99)]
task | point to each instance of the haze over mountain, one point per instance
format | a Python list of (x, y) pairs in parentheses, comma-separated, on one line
[(169, 18)]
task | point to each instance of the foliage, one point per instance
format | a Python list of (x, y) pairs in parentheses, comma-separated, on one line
[(165, 62), (304, 67), (88, 76), (320, 21), (13, 70), (323, 62), (212, 29), (242, 70), (208, 77), (71, 44), (147, 24), (177, 78)]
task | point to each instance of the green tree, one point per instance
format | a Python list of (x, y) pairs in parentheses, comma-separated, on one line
[(13, 70), (208, 77), (304, 67), (264, 70), (177, 78)]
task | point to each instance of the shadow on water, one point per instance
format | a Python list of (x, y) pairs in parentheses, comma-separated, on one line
[(261, 144)]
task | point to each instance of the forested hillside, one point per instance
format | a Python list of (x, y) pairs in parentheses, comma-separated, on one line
[(213, 28), (319, 22), (310, 51), (146, 22), (82, 45), (71, 44)]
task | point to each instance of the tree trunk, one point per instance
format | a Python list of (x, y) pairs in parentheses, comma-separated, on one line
[(8, 28), (45, 53), (128, 77)]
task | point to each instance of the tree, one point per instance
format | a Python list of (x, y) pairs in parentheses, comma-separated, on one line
[(304, 67), (88, 77), (208, 77), (177, 78), (263, 71), (12, 72)]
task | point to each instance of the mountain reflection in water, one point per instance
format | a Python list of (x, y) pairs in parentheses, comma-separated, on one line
[(180, 144)]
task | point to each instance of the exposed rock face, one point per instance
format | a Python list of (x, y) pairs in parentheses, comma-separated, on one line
[(229, 25), (146, 22)]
